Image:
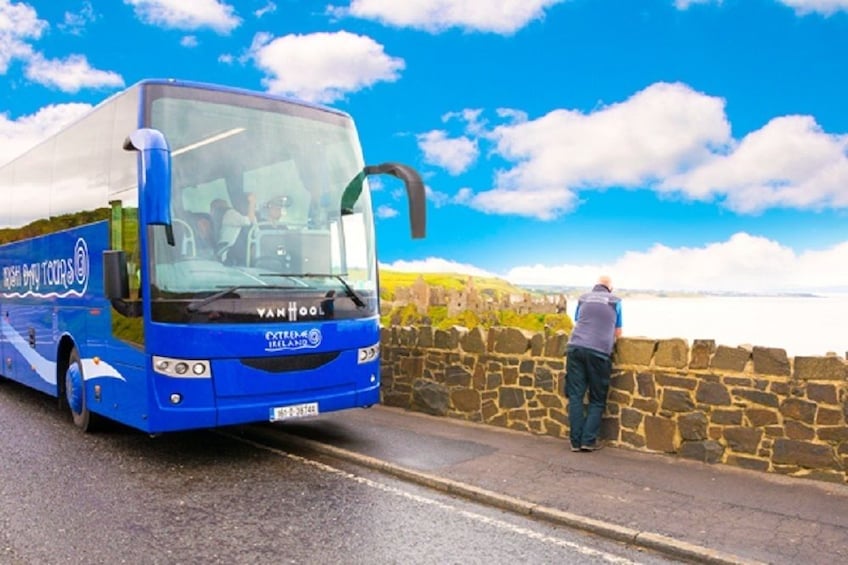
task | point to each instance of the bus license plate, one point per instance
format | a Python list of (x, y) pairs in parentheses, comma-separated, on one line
[(295, 411)]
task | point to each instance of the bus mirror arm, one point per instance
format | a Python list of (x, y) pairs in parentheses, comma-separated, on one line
[(154, 176), (414, 191)]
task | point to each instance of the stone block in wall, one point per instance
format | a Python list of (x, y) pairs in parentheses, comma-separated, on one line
[(756, 397), (537, 345), (804, 454), (677, 400), (510, 341), (660, 434), (632, 438), (770, 361), (726, 417), (543, 379), (744, 440), (730, 358), (609, 428), (634, 351), (702, 351), (446, 339), (835, 434), (430, 398), (510, 397), (457, 376), (672, 353), (630, 418), (797, 430), (714, 394), (648, 405), (556, 344), (830, 368), (693, 427), (466, 401), (706, 451), (760, 417), (829, 417), (411, 368), (645, 385), (474, 341), (425, 337), (824, 393), (406, 336), (677, 381), (748, 463), (798, 409), (623, 380)]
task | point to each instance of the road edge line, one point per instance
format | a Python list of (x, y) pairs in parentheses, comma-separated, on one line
[(649, 540)]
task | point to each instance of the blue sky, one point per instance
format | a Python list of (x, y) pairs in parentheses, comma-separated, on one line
[(674, 144)]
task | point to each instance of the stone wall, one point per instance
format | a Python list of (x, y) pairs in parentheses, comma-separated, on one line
[(750, 407)]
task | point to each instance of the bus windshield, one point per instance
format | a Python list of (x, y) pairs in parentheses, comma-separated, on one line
[(257, 186)]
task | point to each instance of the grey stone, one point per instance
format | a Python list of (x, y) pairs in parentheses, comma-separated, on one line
[(430, 398), (707, 451)]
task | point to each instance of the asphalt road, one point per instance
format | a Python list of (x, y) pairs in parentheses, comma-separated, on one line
[(216, 497)]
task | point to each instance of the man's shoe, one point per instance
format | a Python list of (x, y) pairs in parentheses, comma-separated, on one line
[(593, 447), (575, 449)]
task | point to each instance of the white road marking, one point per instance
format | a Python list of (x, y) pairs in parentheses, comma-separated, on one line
[(582, 549)]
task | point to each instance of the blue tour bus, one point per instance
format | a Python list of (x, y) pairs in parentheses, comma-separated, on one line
[(191, 256)]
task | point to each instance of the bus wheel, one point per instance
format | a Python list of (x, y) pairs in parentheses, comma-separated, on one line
[(75, 395)]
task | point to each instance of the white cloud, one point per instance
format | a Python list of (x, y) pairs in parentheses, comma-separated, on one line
[(801, 7), (742, 263), (684, 4), (323, 67), (187, 15), (825, 7), (454, 154), (495, 16), (70, 74), (19, 24), (385, 212), (436, 265), (189, 41), (17, 136), (789, 163), (268, 8), (75, 22), (653, 134), (667, 138)]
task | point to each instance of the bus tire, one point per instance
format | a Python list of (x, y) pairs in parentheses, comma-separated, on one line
[(75, 395)]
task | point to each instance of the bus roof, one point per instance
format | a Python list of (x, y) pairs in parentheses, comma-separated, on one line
[(184, 84)]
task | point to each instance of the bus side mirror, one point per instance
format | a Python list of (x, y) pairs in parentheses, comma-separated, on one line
[(116, 284), (116, 280), (154, 174)]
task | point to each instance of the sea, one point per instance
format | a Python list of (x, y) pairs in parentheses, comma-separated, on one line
[(802, 325)]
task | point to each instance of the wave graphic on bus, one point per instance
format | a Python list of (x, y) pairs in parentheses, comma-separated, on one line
[(46, 369)]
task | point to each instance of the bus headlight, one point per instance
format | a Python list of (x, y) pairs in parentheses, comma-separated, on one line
[(368, 354), (182, 368)]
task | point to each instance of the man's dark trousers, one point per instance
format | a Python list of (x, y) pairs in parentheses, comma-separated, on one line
[(586, 368)]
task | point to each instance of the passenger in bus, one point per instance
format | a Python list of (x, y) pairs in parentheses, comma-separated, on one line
[(229, 222)]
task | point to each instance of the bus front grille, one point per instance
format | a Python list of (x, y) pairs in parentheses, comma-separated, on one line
[(290, 362)]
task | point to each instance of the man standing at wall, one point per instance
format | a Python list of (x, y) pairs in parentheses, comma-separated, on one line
[(597, 324)]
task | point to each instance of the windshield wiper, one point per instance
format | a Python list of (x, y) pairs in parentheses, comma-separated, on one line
[(198, 304), (348, 289)]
